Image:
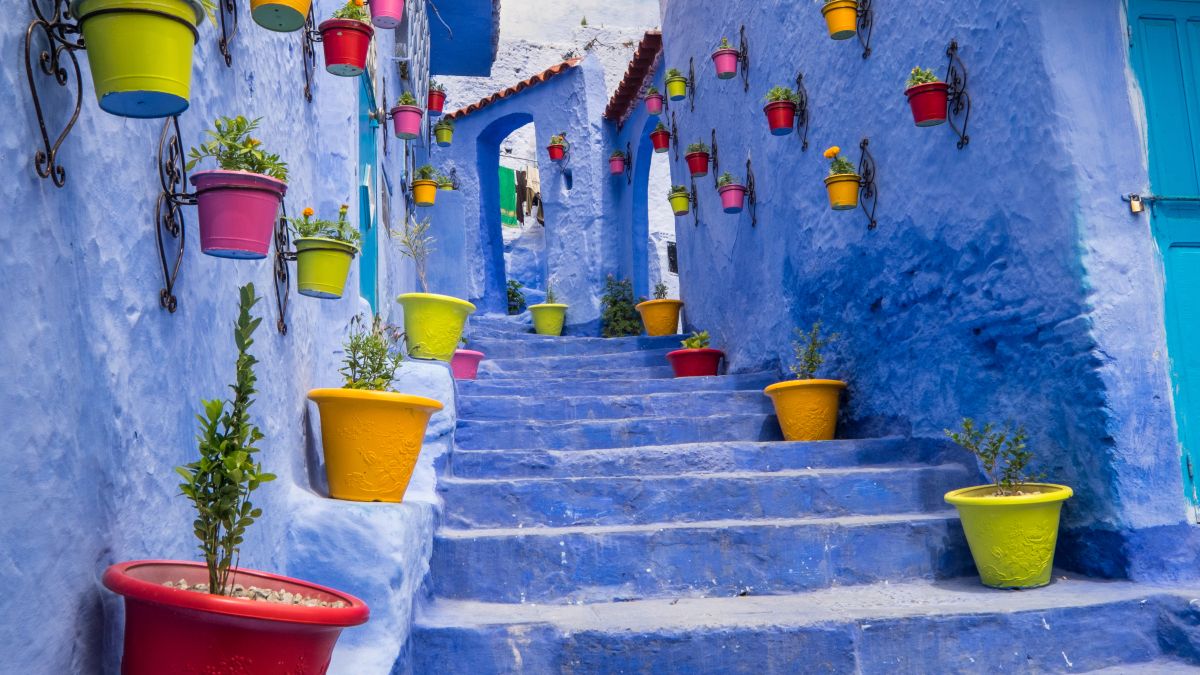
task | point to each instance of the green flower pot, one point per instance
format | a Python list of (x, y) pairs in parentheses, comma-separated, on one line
[(444, 136), (548, 319), (322, 266), (677, 88), (433, 324)]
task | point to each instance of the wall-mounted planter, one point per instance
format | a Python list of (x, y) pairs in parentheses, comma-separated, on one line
[(237, 212), (841, 16), (129, 82), (322, 266), (346, 42), (928, 103), (654, 104), (695, 362), (726, 62), (283, 16), (807, 409), (781, 117), (733, 197), (371, 441), (436, 102), (433, 324), (677, 87), (680, 202), (387, 13), (171, 630), (697, 164), (548, 318), (843, 191), (1012, 538), (424, 192), (660, 317), (557, 152), (661, 140), (406, 121), (616, 166), (465, 364), (443, 134)]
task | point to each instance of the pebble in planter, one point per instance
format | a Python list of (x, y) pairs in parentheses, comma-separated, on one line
[(927, 96), (654, 102), (443, 132), (843, 181), (324, 251), (616, 163), (660, 138), (841, 17), (677, 85), (346, 38), (697, 159), (696, 359), (239, 202), (733, 193), (807, 407), (433, 324), (407, 117), (557, 148), (781, 110), (680, 198), (283, 16), (437, 98), (726, 58), (425, 185)]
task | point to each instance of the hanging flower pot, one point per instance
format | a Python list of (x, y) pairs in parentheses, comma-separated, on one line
[(733, 194), (654, 102), (548, 317), (437, 99), (781, 110), (841, 16), (660, 316), (696, 359), (237, 212), (407, 117), (927, 96), (346, 40), (557, 149), (140, 53), (726, 60), (677, 85), (387, 14), (324, 251), (443, 132), (681, 200), (433, 324), (842, 183), (616, 163), (697, 159), (425, 185), (283, 16), (465, 364), (660, 138)]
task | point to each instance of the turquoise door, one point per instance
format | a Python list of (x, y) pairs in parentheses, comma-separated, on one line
[(1164, 38), (368, 171)]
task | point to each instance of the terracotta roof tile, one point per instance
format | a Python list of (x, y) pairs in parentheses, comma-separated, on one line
[(516, 88), (642, 64)]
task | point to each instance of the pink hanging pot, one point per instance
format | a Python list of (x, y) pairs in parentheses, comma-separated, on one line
[(726, 61), (733, 197), (616, 166), (406, 121), (654, 104), (387, 13), (237, 212)]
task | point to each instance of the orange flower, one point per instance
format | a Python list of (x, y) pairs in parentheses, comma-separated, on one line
[(308, 212), (358, 3), (832, 152)]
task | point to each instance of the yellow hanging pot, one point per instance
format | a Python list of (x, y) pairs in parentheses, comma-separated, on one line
[(841, 16), (843, 191)]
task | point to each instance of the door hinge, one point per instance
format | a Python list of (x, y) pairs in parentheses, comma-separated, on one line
[(1129, 34), (1191, 476)]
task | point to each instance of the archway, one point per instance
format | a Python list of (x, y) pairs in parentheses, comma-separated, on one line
[(653, 229), (491, 235)]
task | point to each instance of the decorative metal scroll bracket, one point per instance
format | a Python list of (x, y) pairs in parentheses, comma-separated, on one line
[(283, 255), (674, 135), (229, 25), (57, 30), (802, 114), (713, 159), (691, 84), (866, 23), (308, 56), (958, 100), (744, 57), (751, 194), (867, 192), (694, 200), (169, 226), (628, 164)]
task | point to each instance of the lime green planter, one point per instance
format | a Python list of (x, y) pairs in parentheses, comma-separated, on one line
[(444, 136), (677, 88), (322, 266), (140, 53), (548, 318), (433, 324), (1012, 538)]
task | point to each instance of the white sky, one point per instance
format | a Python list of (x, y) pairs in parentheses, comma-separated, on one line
[(537, 19)]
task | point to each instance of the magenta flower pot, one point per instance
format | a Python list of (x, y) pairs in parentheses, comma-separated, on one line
[(616, 166), (387, 13), (654, 104), (465, 364), (726, 61), (406, 121), (237, 211), (733, 198)]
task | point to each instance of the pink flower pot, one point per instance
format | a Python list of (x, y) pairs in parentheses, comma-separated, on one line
[(465, 364), (654, 104), (726, 61), (733, 197), (406, 121), (237, 211), (616, 166), (387, 13)]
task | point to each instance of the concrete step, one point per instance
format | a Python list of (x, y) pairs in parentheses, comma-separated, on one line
[(631, 373), (711, 558), (641, 358), (698, 497), (691, 404), (505, 347), (602, 385), (613, 433), (951, 626)]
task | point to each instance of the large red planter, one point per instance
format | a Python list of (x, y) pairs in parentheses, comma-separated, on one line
[(661, 140), (557, 152), (697, 164), (781, 116), (726, 62), (168, 630), (733, 197), (465, 364), (437, 101), (346, 42), (237, 212), (654, 103), (406, 121), (695, 362), (928, 102)]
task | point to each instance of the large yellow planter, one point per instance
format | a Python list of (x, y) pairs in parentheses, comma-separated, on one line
[(424, 192), (1012, 538), (283, 16), (371, 441), (843, 191), (548, 318), (807, 409), (433, 324), (660, 317), (842, 18)]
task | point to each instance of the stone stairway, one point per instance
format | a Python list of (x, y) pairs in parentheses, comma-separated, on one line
[(602, 517)]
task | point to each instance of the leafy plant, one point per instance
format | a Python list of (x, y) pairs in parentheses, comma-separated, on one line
[(353, 9), (673, 73), (660, 291), (220, 483), (660, 127), (426, 172), (406, 98), (444, 123), (559, 139), (236, 150), (677, 190), (724, 44), (781, 94), (697, 341), (727, 179), (617, 154), (698, 147), (807, 351), (618, 317), (921, 75), (369, 361), (444, 182), (341, 229), (416, 244), (434, 85), (1002, 453), (210, 9), (839, 166), (550, 299), (652, 91), (516, 299)]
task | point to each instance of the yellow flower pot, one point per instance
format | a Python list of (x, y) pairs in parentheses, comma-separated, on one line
[(548, 318), (677, 88), (807, 409), (424, 192), (843, 191), (660, 317), (1012, 538), (283, 16), (433, 324), (680, 203), (371, 441), (842, 18)]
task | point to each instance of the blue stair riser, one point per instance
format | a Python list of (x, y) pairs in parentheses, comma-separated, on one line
[(590, 434), (692, 404), (631, 373), (502, 348), (622, 501), (604, 565), (554, 364), (611, 385)]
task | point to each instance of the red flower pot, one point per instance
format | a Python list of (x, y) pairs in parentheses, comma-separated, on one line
[(557, 152), (695, 362), (661, 140), (437, 101), (654, 104), (616, 166), (406, 121), (168, 630), (465, 364), (781, 116), (928, 102), (697, 164), (733, 197), (345, 42), (237, 212), (726, 61)]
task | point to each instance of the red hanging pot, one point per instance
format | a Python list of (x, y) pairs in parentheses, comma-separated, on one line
[(557, 152), (437, 101), (616, 166), (695, 362), (346, 42), (661, 140), (654, 103), (726, 61), (781, 116), (697, 164), (733, 197), (928, 103)]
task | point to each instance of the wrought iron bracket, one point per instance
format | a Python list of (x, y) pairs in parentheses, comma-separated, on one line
[(744, 57), (228, 11), (62, 38), (866, 24), (169, 225), (958, 100), (308, 53), (691, 84), (713, 158), (802, 113), (868, 194), (751, 194), (694, 200), (674, 136), (283, 255), (628, 164)]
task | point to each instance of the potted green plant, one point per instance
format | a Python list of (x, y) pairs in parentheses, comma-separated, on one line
[(780, 110), (433, 324), (346, 38), (557, 148), (680, 198), (696, 359), (807, 407), (841, 17), (443, 132), (189, 617), (725, 59), (407, 117), (927, 96), (697, 159), (618, 318), (677, 85), (516, 299), (445, 182), (548, 316), (733, 193), (616, 163), (424, 185), (660, 138), (324, 251), (843, 181), (437, 98), (238, 202), (1011, 524), (660, 316), (654, 101), (371, 435)]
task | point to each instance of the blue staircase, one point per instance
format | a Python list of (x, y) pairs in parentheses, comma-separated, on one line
[(601, 517)]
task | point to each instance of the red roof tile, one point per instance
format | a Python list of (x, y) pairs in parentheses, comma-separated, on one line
[(641, 66), (516, 88)]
